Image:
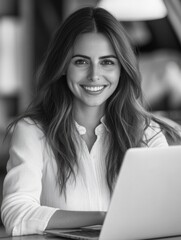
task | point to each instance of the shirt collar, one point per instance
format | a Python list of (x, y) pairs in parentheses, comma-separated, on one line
[(99, 130), (103, 121)]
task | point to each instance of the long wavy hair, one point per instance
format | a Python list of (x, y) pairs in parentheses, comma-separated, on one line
[(52, 106)]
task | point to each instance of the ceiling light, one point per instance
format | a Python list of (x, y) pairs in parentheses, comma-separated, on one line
[(135, 10)]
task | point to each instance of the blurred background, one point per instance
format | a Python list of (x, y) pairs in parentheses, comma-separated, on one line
[(26, 27)]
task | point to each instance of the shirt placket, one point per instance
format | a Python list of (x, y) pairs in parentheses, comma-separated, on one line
[(94, 169)]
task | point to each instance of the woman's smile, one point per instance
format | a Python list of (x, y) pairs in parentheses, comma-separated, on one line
[(92, 89)]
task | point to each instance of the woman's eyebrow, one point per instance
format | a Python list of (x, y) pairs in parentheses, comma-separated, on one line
[(108, 56), (80, 55), (102, 57)]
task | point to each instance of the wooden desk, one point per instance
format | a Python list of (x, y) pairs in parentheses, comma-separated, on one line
[(4, 236)]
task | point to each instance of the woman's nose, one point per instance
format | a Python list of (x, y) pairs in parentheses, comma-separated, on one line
[(94, 73)]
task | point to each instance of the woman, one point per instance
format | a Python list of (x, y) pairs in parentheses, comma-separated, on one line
[(67, 148)]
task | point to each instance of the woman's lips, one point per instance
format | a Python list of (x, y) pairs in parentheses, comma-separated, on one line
[(93, 89)]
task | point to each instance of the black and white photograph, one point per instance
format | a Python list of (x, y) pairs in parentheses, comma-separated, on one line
[(90, 119)]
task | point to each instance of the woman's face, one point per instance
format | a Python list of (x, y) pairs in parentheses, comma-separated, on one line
[(94, 70)]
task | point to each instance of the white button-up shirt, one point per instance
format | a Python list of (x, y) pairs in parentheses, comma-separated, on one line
[(31, 193)]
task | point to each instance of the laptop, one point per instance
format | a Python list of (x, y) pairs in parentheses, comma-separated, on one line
[(146, 202)]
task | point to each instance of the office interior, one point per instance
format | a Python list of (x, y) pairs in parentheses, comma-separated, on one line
[(26, 27)]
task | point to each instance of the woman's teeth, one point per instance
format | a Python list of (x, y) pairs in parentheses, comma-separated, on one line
[(93, 89)]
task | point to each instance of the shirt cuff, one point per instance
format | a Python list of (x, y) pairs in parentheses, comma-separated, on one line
[(35, 225)]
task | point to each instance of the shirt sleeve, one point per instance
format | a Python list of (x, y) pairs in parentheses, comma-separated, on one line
[(21, 210), (154, 136)]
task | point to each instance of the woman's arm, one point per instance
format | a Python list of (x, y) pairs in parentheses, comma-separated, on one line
[(21, 210), (74, 219)]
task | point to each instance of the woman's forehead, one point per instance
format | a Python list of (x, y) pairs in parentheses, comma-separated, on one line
[(93, 44)]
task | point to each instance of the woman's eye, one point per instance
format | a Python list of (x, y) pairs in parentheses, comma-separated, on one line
[(107, 62), (80, 62)]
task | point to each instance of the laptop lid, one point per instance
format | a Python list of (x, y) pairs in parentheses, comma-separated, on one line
[(146, 202)]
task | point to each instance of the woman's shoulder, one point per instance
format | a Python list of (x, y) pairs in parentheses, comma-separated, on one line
[(28, 127), (27, 121), (154, 136), (153, 127)]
